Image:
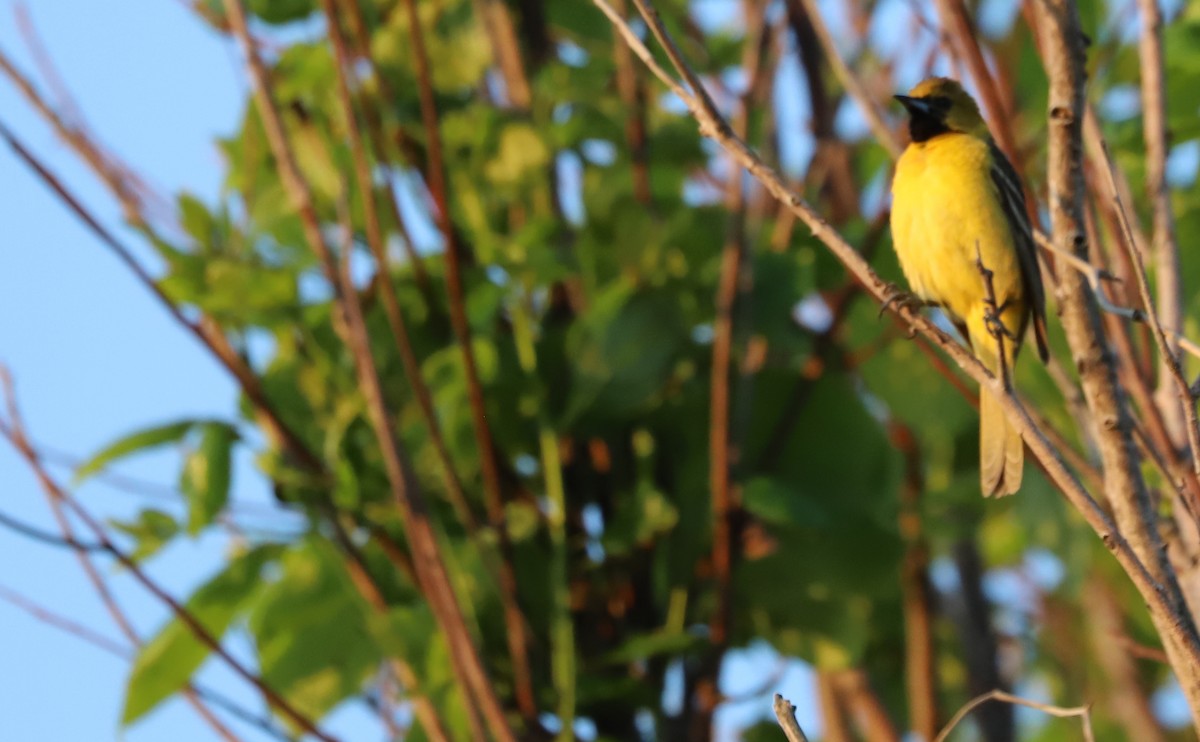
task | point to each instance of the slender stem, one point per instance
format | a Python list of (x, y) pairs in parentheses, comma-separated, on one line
[(1165, 349), (785, 712), (1179, 413), (436, 178), (1083, 712), (920, 673), (853, 86), (562, 637)]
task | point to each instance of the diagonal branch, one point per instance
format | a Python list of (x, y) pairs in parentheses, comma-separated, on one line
[(850, 82), (1169, 356), (504, 574), (1178, 412)]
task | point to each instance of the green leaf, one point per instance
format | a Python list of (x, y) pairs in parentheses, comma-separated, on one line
[(311, 627), (641, 647), (281, 11), (166, 662), (206, 475), (132, 443), (152, 531), (521, 153)]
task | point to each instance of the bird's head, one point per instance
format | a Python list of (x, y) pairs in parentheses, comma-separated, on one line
[(939, 105)]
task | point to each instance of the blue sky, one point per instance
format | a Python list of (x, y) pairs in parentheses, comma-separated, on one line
[(93, 355)]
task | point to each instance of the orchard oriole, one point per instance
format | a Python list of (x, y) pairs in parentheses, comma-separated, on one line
[(958, 204)]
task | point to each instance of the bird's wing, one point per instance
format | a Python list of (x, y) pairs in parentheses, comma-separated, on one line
[(1012, 201)]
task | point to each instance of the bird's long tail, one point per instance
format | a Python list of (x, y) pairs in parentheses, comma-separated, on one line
[(1001, 449)]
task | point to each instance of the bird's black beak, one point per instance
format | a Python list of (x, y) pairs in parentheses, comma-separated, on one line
[(915, 106)]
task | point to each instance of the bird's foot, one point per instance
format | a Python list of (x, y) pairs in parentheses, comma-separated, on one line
[(894, 296)]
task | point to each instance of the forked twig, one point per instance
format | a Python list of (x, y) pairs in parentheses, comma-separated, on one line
[(992, 319), (785, 712), (1169, 358), (1062, 712)]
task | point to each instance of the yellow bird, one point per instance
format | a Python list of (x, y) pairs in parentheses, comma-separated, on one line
[(956, 202)]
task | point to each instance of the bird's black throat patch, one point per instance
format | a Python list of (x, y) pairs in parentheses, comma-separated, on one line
[(928, 120), (923, 126)]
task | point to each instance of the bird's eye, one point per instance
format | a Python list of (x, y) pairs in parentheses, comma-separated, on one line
[(940, 102)]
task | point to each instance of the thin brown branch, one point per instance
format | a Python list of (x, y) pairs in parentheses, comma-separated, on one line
[(852, 85), (1083, 712), (1166, 352), (436, 178), (833, 716), (733, 278), (382, 144), (872, 719), (956, 19), (920, 675), (114, 175), (785, 712), (506, 50), (632, 90), (1125, 697), (503, 568), (432, 574), (1178, 412), (62, 623), (193, 693)]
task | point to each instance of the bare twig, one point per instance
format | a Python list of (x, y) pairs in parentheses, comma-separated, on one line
[(1083, 712), (785, 712), (833, 712), (383, 144), (853, 86), (62, 623), (920, 676), (1178, 412), (632, 90), (732, 281), (957, 21), (1125, 695), (1182, 388), (37, 534), (436, 178), (870, 715)]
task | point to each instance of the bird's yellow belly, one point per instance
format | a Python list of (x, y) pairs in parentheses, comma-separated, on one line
[(945, 214)]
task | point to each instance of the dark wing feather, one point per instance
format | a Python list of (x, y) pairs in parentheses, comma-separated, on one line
[(1012, 200)]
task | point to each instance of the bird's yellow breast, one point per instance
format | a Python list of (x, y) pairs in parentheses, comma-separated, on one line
[(944, 203)]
